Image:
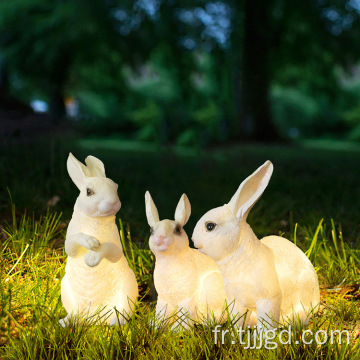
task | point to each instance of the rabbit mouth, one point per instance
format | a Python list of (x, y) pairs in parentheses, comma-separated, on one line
[(198, 246), (163, 247), (110, 210), (114, 210), (107, 214)]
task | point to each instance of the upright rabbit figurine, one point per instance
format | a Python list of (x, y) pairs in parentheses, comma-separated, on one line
[(97, 274), (186, 280), (271, 278)]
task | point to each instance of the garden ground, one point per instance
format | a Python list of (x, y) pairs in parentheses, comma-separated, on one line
[(310, 183)]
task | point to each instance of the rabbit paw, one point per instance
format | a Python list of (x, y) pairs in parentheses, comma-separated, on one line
[(93, 258), (91, 243)]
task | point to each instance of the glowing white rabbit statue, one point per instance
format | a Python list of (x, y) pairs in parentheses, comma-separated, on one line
[(271, 278), (187, 281), (97, 274)]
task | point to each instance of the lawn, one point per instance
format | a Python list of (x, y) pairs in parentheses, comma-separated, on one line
[(311, 185)]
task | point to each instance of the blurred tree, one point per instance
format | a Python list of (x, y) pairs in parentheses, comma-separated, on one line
[(4, 78), (281, 42), (44, 40), (93, 48), (255, 114), (315, 35)]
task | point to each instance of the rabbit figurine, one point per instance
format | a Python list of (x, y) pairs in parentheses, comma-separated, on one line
[(187, 281), (271, 278), (97, 274)]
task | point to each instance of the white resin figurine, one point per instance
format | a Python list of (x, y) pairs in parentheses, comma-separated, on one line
[(97, 274), (271, 278), (187, 281)]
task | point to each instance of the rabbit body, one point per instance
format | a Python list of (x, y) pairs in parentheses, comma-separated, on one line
[(297, 278), (186, 280), (97, 275), (86, 289), (191, 281), (272, 279), (250, 279)]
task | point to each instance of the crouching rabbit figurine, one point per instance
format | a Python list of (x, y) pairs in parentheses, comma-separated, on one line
[(271, 278), (97, 277), (189, 284)]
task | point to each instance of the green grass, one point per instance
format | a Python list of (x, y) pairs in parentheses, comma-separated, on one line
[(32, 265), (310, 183)]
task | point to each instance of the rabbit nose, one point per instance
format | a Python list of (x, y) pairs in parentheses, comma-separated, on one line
[(163, 240), (109, 205), (160, 240)]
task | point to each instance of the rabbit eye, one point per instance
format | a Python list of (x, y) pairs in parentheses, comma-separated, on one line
[(89, 192), (177, 230), (210, 226), (151, 231)]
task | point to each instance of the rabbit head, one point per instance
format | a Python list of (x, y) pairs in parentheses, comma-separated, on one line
[(168, 235), (217, 233), (98, 194)]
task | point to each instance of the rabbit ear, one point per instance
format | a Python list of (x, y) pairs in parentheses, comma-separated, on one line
[(250, 190), (95, 166), (151, 210), (183, 210), (77, 171)]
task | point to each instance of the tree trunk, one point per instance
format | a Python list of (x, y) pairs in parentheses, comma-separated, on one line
[(4, 78), (57, 105), (255, 114), (58, 77)]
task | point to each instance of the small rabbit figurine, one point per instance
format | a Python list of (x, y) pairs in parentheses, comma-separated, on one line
[(272, 278), (186, 280), (97, 274)]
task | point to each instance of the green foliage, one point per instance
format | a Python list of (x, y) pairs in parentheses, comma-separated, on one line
[(149, 120), (153, 80), (337, 260), (294, 112), (351, 111), (99, 106), (206, 127), (54, 47), (182, 62)]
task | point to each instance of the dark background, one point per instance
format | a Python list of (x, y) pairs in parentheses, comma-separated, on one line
[(183, 96)]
